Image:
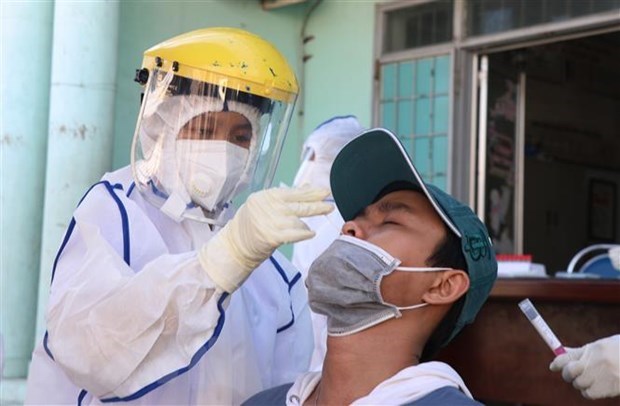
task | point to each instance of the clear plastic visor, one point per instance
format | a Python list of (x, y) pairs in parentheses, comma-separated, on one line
[(197, 145)]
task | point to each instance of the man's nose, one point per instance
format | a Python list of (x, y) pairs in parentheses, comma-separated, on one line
[(353, 229)]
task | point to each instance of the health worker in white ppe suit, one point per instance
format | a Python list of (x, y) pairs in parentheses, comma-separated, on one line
[(318, 154), (160, 294)]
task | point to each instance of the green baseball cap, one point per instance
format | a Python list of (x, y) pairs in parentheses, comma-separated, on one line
[(377, 159)]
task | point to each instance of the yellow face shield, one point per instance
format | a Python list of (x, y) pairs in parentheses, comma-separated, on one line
[(210, 129)]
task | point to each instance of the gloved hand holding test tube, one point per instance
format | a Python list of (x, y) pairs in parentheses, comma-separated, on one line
[(527, 307)]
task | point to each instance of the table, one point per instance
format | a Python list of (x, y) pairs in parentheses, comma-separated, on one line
[(503, 359)]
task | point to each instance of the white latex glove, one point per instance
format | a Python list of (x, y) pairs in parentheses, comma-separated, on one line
[(268, 219), (594, 369)]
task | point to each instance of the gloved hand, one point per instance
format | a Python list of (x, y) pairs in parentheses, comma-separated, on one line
[(268, 219), (594, 369)]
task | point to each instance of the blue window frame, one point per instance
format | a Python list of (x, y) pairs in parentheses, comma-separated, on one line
[(415, 105)]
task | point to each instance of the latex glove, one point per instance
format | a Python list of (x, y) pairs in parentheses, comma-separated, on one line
[(594, 369), (268, 219)]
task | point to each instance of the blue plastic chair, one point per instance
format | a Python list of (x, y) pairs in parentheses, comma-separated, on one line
[(595, 264)]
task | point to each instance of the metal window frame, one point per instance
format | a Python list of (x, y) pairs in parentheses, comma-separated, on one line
[(520, 165), (550, 30), (435, 50), (464, 54), (449, 53), (469, 54), (481, 135)]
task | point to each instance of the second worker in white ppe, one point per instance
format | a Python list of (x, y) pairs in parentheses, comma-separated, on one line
[(160, 293), (318, 154)]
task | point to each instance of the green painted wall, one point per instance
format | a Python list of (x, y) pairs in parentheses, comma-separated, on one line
[(339, 75)]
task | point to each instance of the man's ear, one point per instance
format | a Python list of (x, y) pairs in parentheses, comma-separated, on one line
[(447, 288)]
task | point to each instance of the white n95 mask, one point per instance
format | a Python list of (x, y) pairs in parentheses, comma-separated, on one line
[(210, 170), (344, 284)]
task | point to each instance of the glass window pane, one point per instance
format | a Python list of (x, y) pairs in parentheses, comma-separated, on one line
[(388, 115), (492, 16), (557, 11), (516, 8), (422, 117), (604, 5), (405, 118), (442, 74), (443, 25), (474, 17), (533, 13), (424, 77), (418, 111), (418, 25), (579, 7), (440, 155), (497, 20), (421, 155), (405, 79), (389, 78), (440, 114)]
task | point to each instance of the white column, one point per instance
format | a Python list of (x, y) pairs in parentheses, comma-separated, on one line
[(26, 57), (81, 118)]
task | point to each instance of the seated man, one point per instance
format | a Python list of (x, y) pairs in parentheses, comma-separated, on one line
[(411, 268)]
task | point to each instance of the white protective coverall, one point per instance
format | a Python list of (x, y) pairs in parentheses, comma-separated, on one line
[(318, 154), (127, 272)]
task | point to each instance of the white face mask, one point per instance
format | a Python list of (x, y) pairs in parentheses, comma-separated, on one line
[(210, 169)]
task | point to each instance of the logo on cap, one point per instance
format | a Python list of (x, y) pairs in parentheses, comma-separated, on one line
[(476, 246)]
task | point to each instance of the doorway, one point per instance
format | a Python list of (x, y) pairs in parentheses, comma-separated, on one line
[(551, 138)]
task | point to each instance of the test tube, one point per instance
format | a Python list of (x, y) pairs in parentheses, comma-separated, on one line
[(527, 307)]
